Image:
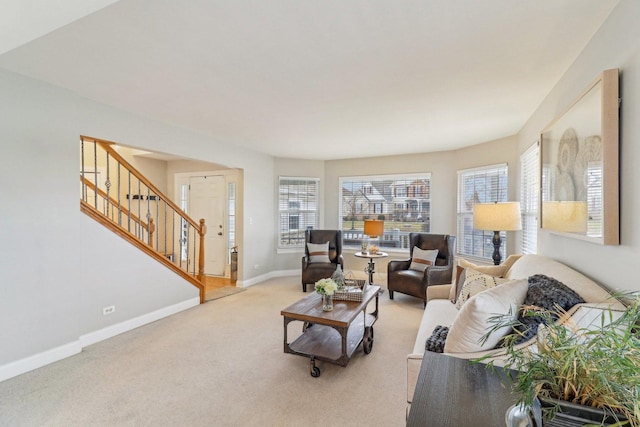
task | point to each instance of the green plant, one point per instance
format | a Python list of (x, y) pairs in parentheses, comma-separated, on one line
[(598, 366)]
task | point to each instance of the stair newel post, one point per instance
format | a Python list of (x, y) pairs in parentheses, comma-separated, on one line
[(201, 232), (152, 229)]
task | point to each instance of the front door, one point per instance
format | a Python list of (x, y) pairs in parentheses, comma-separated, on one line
[(207, 200)]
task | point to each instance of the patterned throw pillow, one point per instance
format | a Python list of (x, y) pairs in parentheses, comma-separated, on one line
[(547, 293), (318, 252), (422, 258), (474, 283), (436, 341)]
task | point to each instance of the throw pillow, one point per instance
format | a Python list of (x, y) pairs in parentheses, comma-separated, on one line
[(423, 258), (473, 320), (318, 252), (491, 270), (474, 283), (435, 342), (549, 294)]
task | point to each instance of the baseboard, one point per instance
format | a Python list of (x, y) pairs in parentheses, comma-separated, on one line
[(136, 322), (266, 276), (13, 369), (19, 367)]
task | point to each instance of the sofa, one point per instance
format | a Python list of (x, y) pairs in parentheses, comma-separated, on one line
[(513, 277)]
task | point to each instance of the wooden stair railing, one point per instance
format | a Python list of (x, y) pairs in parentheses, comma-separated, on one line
[(168, 235)]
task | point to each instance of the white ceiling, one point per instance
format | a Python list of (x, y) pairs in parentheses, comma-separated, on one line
[(310, 79)]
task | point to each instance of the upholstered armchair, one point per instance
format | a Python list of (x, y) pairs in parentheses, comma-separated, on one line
[(321, 262), (405, 276)]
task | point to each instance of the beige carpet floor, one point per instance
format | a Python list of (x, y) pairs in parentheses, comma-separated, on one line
[(221, 364), (224, 291)]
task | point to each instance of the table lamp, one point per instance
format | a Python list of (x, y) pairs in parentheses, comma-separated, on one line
[(373, 228), (497, 217)]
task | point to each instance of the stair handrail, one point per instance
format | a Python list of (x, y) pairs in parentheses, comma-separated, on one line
[(107, 146)]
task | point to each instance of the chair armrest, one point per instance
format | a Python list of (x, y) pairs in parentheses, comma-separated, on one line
[(305, 262), (438, 275), (398, 264), (438, 292)]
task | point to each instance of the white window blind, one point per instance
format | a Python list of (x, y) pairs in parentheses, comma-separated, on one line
[(480, 185), (403, 202), (595, 209), (298, 209), (529, 199)]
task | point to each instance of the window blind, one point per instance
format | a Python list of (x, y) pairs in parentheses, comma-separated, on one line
[(298, 209), (480, 185), (529, 199)]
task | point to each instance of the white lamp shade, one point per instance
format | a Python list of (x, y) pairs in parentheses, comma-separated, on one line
[(497, 216)]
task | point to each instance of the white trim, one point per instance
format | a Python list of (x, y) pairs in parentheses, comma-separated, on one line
[(263, 277), (481, 168), (391, 176), (136, 322), (19, 367), (30, 363)]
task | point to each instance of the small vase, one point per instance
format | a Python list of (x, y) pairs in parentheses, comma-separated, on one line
[(327, 302)]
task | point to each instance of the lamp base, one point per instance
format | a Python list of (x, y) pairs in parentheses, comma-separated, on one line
[(496, 248)]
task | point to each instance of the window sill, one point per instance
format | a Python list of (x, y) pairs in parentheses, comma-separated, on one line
[(297, 250)]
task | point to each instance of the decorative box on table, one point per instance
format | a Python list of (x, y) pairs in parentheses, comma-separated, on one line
[(352, 291)]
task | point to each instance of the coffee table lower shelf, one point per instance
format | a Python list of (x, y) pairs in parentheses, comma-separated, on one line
[(325, 343)]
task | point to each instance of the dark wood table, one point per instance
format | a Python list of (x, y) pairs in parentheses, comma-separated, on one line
[(331, 336), (457, 393)]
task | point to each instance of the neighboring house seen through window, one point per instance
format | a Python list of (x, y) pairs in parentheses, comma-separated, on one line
[(402, 201)]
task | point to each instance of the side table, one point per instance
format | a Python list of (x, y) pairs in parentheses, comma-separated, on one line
[(453, 392), (371, 266)]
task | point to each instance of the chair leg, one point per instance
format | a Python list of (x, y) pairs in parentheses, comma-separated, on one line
[(390, 294), (425, 304), (304, 287)]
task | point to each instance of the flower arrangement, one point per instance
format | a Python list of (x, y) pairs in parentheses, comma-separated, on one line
[(373, 249), (326, 286)]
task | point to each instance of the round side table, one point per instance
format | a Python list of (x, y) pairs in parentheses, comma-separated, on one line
[(372, 264)]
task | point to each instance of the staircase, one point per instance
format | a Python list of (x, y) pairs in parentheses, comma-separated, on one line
[(118, 196)]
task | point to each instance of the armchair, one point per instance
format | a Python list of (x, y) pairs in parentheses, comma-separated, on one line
[(314, 271), (402, 279)]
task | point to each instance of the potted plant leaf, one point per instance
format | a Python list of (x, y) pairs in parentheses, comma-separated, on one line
[(582, 375)]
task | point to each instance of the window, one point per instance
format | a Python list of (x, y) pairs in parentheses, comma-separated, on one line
[(401, 201), (529, 200), (231, 217), (481, 185), (298, 209)]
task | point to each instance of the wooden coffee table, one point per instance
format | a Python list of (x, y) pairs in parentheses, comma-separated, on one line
[(331, 336)]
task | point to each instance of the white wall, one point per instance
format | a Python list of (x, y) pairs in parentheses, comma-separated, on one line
[(615, 45), (58, 269)]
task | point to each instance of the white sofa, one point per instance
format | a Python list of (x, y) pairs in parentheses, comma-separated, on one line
[(440, 310)]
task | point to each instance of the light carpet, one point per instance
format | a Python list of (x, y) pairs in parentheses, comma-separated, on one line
[(224, 291), (221, 364)]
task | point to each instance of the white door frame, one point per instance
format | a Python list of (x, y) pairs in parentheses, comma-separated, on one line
[(230, 175)]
